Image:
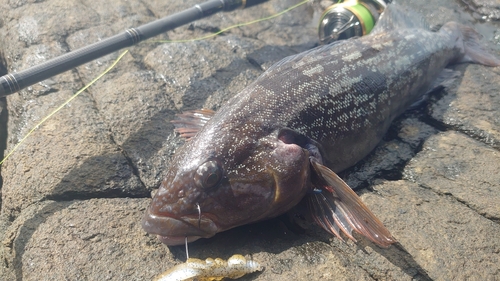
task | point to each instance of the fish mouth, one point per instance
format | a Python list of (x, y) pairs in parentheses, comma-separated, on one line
[(173, 231)]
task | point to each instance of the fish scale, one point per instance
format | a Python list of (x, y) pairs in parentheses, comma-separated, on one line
[(357, 96), (283, 138)]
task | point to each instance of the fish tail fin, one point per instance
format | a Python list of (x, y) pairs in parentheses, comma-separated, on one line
[(474, 51), (337, 208)]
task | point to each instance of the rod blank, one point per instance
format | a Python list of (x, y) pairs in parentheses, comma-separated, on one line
[(14, 82)]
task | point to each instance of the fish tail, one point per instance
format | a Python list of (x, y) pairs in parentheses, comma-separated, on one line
[(474, 51)]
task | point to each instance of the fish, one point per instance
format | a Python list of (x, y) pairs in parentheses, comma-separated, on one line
[(284, 138), (210, 269)]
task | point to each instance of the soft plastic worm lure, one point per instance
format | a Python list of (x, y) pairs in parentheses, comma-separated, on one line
[(210, 269)]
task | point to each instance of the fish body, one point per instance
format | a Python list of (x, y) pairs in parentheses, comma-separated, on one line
[(307, 117)]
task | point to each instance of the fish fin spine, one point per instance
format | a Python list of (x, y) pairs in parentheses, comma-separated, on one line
[(188, 123), (342, 210)]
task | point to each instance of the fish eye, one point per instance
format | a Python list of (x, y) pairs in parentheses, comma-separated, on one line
[(208, 174)]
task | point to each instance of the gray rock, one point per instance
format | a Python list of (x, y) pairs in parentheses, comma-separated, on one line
[(472, 179), (486, 9), (433, 180), (444, 236), (470, 107), (94, 239)]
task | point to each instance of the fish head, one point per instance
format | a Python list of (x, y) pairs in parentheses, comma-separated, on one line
[(212, 187)]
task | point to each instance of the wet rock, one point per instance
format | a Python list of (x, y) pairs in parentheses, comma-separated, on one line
[(432, 181), (470, 107), (486, 9), (400, 145), (472, 178), (73, 154), (444, 236), (54, 162), (93, 239)]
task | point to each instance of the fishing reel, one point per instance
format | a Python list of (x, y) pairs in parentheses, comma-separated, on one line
[(349, 18)]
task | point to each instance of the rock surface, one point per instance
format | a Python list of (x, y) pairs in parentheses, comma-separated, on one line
[(74, 192), (484, 9)]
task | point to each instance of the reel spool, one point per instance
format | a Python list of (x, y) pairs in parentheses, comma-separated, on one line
[(348, 19)]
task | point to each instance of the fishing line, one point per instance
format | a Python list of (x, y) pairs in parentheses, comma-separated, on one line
[(232, 26), (64, 104), (187, 250), (125, 52)]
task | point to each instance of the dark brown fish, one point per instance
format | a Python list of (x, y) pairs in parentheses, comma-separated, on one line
[(310, 115)]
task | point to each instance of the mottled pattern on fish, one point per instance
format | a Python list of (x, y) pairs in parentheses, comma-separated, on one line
[(330, 106), (342, 99), (338, 94)]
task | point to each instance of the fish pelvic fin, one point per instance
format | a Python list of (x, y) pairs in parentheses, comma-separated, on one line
[(188, 123), (337, 208)]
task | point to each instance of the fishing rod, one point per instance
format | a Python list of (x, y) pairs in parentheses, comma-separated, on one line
[(13, 82)]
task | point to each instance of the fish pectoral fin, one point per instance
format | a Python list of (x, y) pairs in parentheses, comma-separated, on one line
[(188, 123), (337, 208)]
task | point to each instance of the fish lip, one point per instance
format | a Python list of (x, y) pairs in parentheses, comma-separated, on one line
[(173, 231)]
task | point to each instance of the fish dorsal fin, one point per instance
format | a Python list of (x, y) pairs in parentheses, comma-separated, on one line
[(285, 63), (188, 123), (396, 17), (337, 208)]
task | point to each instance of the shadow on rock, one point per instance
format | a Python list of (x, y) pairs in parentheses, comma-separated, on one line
[(102, 176), (397, 255), (26, 231)]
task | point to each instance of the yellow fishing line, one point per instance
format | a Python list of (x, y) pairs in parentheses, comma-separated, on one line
[(120, 57), (64, 104), (233, 26)]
